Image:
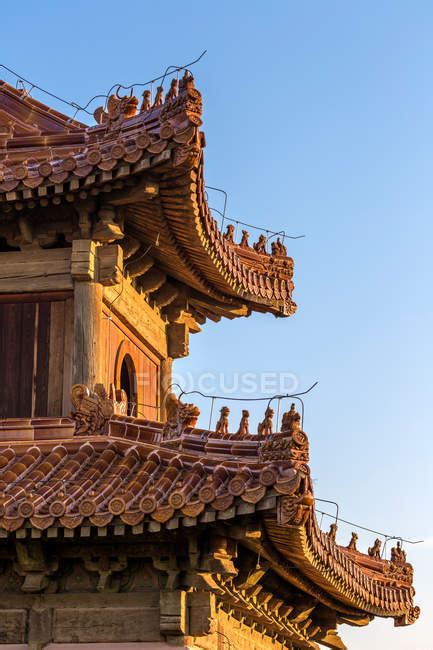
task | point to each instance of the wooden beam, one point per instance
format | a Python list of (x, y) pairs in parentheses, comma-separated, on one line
[(152, 280), (138, 264), (142, 192), (110, 264), (229, 311), (164, 295), (35, 270), (130, 246), (177, 340)]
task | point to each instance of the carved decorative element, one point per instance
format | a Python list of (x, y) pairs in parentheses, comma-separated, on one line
[(146, 101), (118, 109), (159, 97), (291, 421), (374, 551), (180, 417), (34, 566), (244, 430), (265, 428), (352, 543), (222, 426), (187, 100), (260, 245), (409, 618), (399, 568), (290, 444), (278, 248), (295, 510), (398, 556), (105, 566), (107, 229), (244, 241), (92, 409), (173, 91), (404, 572), (119, 399), (229, 233), (332, 534)]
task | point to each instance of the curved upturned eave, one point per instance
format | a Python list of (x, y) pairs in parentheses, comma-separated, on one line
[(197, 234), (323, 562), (169, 150)]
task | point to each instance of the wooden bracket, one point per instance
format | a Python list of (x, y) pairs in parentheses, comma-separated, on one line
[(83, 260), (110, 264)]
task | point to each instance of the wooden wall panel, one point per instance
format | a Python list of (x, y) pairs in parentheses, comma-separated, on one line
[(35, 366), (67, 356), (17, 333), (118, 342), (56, 346), (42, 360)]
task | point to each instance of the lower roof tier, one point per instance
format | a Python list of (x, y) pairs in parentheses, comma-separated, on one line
[(102, 471)]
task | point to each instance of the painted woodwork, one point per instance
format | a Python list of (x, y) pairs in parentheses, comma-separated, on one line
[(121, 344)]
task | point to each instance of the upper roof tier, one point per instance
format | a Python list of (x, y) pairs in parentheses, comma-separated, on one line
[(146, 165)]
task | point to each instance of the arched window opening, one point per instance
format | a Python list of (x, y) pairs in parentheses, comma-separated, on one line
[(128, 382)]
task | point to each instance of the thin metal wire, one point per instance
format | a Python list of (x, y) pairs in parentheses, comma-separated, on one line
[(272, 233), (211, 411), (295, 396), (334, 503), (219, 189), (278, 414), (171, 69), (370, 530), (241, 399)]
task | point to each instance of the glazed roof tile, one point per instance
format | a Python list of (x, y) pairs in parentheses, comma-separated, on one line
[(144, 472), (46, 158)]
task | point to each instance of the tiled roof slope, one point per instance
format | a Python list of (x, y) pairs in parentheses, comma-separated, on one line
[(47, 159), (142, 473)]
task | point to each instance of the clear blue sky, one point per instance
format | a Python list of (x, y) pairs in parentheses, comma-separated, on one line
[(319, 120)]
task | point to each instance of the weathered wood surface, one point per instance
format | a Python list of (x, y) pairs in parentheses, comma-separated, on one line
[(83, 259), (35, 270), (110, 264), (17, 344), (133, 310), (35, 348), (55, 368), (87, 333), (102, 624), (67, 355)]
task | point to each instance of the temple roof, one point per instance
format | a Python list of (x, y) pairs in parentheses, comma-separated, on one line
[(149, 476), (149, 167)]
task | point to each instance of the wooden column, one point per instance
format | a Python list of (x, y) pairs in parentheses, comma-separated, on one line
[(165, 378), (87, 315)]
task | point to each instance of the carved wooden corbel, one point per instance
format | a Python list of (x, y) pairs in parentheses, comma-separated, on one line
[(105, 566), (220, 558), (110, 264), (33, 565), (107, 229)]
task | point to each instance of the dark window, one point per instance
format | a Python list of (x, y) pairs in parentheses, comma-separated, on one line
[(128, 382)]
